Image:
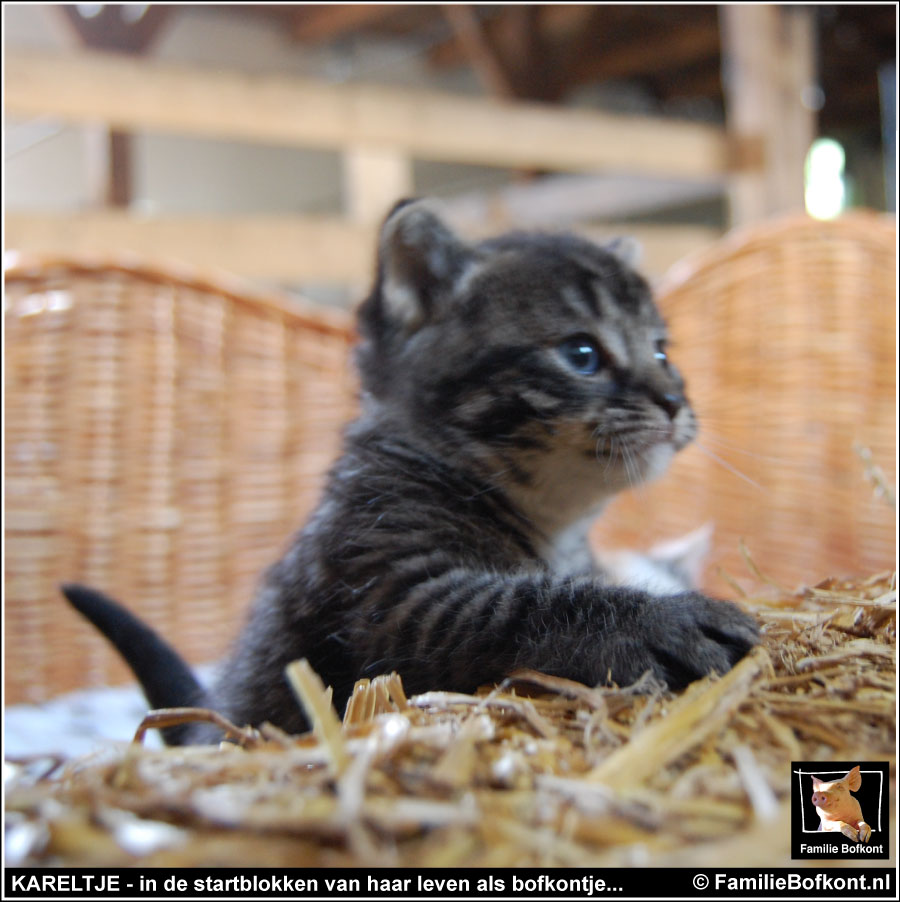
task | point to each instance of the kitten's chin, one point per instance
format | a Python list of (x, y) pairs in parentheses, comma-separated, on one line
[(656, 460), (629, 467)]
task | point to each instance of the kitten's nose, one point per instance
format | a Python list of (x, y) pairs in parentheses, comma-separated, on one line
[(671, 403)]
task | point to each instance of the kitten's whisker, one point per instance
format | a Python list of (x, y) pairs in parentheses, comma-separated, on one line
[(626, 463), (612, 454), (730, 467), (729, 418), (768, 458), (631, 468), (640, 487)]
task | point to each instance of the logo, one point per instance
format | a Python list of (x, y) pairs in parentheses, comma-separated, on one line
[(839, 809)]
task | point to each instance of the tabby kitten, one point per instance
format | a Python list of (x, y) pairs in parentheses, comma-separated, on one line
[(510, 389)]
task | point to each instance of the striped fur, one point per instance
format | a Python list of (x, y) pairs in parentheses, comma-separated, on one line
[(450, 542)]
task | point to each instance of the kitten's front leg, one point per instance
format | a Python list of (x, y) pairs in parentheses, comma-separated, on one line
[(621, 633), (466, 628), (684, 637)]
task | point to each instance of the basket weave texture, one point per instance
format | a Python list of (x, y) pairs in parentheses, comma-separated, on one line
[(165, 435), (785, 333)]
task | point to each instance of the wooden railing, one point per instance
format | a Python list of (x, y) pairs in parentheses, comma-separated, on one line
[(378, 130)]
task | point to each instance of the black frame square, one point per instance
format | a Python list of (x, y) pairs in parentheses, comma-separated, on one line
[(873, 795)]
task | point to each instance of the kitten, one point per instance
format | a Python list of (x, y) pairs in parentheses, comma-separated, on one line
[(510, 389)]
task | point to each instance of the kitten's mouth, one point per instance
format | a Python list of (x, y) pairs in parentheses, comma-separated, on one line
[(668, 434), (637, 442)]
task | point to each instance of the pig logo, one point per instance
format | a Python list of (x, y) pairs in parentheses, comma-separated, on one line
[(838, 810)]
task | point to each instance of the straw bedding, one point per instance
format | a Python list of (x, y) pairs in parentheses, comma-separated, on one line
[(539, 771)]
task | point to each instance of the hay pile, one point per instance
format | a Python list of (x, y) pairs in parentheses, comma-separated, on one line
[(539, 771)]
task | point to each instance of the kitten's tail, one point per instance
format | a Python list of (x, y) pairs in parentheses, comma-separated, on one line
[(166, 679)]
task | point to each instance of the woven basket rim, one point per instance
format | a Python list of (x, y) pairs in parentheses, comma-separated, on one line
[(33, 266), (742, 239)]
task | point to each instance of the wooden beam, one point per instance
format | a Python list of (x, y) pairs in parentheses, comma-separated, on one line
[(767, 63), (564, 21), (451, 51), (282, 249), (508, 51), (531, 58), (121, 156), (559, 25), (112, 29), (314, 249), (313, 23), (374, 180), (158, 96), (267, 247), (648, 54), (482, 51)]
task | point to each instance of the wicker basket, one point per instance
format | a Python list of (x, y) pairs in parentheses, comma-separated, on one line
[(165, 434), (786, 335)]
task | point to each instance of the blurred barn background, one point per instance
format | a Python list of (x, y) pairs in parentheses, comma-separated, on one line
[(168, 425), (265, 140)]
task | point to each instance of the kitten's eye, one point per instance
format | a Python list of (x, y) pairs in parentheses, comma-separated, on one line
[(661, 354), (582, 353)]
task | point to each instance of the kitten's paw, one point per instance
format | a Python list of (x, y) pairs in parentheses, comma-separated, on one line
[(865, 832), (692, 635)]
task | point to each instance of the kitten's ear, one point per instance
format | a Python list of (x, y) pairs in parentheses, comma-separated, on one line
[(627, 249), (418, 257)]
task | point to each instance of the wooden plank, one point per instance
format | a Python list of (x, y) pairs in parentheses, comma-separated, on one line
[(266, 247), (559, 25), (121, 167), (318, 23), (286, 249), (160, 96), (97, 163), (483, 53), (798, 74), (111, 29), (768, 61), (374, 180)]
